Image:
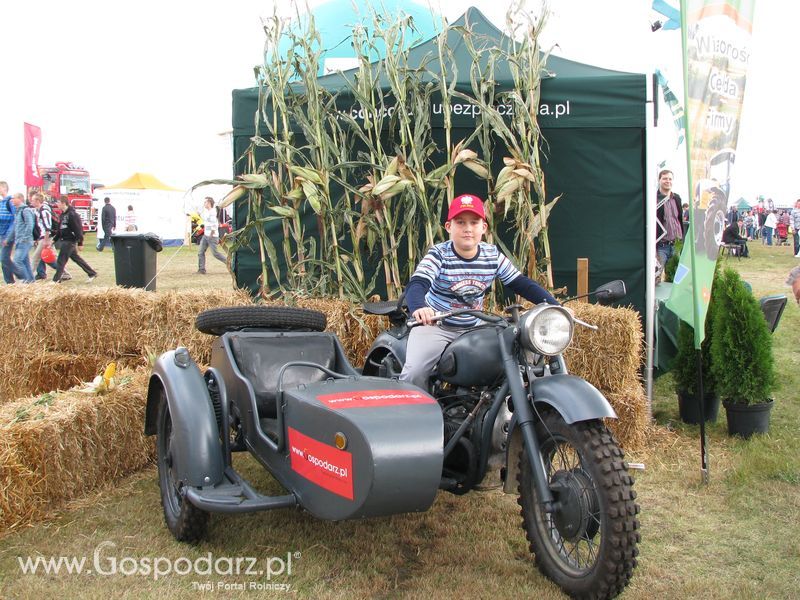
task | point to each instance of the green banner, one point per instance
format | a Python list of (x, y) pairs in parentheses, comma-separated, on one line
[(716, 52)]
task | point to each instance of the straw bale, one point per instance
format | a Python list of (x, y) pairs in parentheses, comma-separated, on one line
[(631, 426), (609, 358), (171, 321), (27, 372), (96, 321), (56, 450)]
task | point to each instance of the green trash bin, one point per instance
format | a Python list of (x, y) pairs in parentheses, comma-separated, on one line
[(135, 261)]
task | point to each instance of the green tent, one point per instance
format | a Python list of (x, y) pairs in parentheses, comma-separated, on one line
[(743, 205), (593, 122)]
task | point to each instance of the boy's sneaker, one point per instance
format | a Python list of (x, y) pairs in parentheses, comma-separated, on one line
[(91, 278), (201, 271)]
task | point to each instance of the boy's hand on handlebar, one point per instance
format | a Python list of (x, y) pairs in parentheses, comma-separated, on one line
[(424, 315)]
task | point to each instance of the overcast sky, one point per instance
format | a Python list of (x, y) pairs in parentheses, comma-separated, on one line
[(146, 86)]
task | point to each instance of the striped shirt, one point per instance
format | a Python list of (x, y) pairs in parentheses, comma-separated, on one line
[(6, 215), (457, 282)]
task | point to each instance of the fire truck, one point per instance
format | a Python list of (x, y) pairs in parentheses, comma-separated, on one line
[(66, 179)]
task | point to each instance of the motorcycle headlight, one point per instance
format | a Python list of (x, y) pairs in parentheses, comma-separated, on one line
[(546, 329)]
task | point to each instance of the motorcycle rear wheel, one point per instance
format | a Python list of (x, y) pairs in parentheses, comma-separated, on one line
[(588, 546)]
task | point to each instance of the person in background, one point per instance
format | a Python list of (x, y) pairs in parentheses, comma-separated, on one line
[(130, 219), (769, 227), (44, 216), (668, 217), (6, 223), (210, 237), (762, 218), (731, 236), (685, 218), (748, 224), (20, 236), (70, 236), (794, 281), (108, 221), (796, 227)]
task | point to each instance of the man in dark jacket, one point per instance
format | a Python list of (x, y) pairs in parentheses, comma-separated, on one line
[(668, 217), (70, 236), (731, 236), (108, 221)]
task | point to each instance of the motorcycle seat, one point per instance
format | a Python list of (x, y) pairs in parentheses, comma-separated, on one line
[(260, 360), (381, 308)]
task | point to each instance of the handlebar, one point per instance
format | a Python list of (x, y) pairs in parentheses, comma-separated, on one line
[(439, 316), (486, 317)]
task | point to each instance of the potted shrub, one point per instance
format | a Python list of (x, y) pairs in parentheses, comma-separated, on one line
[(684, 372), (741, 357)]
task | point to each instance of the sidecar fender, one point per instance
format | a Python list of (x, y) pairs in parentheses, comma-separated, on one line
[(574, 398), (195, 447)]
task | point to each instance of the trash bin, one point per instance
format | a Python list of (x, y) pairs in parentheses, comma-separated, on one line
[(135, 259)]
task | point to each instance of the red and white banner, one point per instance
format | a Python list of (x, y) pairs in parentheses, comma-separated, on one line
[(371, 398), (33, 141), (328, 467)]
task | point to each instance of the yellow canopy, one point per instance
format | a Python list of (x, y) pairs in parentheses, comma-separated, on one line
[(142, 181)]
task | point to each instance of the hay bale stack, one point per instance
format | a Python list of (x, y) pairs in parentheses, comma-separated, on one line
[(610, 359), (34, 372), (95, 326), (171, 321), (68, 444)]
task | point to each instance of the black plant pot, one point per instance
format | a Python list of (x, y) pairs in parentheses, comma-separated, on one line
[(746, 419), (689, 408)]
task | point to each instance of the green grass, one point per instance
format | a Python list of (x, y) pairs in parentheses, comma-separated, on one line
[(737, 537), (176, 268)]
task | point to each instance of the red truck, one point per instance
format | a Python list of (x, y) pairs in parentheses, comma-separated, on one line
[(66, 179)]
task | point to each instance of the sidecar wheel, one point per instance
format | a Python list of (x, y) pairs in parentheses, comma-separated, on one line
[(588, 546), (217, 321), (186, 522)]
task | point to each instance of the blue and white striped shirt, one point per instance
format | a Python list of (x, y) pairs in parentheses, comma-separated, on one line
[(457, 282)]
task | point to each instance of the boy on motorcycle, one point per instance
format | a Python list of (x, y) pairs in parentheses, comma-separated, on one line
[(455, 275)]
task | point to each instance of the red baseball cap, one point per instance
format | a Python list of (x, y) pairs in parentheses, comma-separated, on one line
[(466, 203)]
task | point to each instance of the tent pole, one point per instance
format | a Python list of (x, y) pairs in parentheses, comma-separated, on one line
[(650, 243)]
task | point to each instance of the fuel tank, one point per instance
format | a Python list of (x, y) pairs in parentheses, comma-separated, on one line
[(472, 359), (361, 447)]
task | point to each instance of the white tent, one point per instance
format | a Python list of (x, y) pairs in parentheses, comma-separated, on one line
[(157, 206)]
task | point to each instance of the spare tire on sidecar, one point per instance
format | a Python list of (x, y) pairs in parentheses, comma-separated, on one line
[(343, 445)]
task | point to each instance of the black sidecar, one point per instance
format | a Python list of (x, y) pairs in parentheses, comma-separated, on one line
[(344, 446)]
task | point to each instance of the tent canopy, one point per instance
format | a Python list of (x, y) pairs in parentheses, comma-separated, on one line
[(593, 156), (743, 205), (142, 181)]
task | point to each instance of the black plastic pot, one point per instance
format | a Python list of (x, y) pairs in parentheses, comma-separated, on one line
[(746, 419), (689, 408)]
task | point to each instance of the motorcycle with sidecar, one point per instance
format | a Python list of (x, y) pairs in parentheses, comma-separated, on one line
[(348, 443)]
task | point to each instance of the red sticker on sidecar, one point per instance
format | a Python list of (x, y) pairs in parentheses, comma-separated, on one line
[(328, 467), (366, 398)]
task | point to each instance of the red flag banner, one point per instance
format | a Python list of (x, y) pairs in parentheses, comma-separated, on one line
[(33, 141)]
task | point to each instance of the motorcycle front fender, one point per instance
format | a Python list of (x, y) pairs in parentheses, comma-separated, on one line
[(574, 398), (195, 447)]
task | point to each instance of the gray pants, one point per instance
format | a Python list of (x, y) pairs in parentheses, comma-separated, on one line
[(425, 345), (205, 243)]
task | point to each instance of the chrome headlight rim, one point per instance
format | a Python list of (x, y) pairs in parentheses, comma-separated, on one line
[(527, 326)]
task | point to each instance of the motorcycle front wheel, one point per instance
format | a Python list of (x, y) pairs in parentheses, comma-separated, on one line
[(588, 544)]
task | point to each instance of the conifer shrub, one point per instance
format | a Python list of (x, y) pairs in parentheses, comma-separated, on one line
[(741, 347)]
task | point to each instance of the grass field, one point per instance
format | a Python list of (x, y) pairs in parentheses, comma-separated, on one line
[(737, 537), (177, 268)]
